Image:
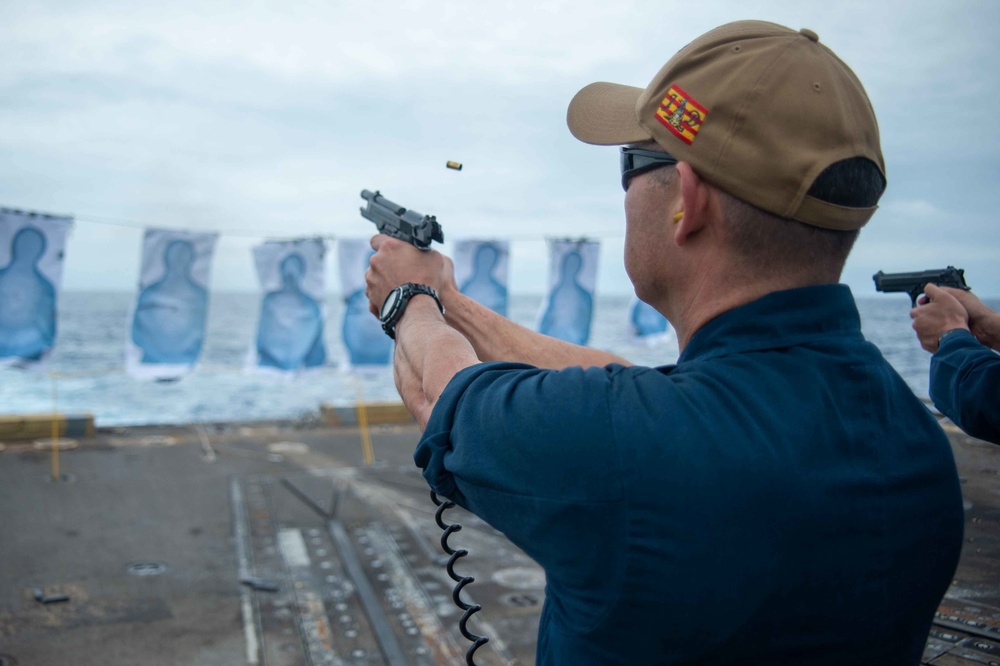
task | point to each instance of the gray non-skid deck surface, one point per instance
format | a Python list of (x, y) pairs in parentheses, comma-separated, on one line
[(153, 529), (365, 582)]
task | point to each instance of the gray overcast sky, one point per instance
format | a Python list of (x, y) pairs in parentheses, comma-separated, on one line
[(262, 120)]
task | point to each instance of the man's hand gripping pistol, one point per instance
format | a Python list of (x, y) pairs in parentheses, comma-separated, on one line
[(394, 220)]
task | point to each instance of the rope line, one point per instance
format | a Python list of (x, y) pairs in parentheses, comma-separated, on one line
[(88, 218)]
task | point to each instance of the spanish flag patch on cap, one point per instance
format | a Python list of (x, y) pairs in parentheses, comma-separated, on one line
[(680, 114)]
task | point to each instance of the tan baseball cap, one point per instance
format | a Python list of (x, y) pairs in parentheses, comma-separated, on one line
[(756, 108)]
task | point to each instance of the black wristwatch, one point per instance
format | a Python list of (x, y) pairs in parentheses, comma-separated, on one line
[(396, 302)]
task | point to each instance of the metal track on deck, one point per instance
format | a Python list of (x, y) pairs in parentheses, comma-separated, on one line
[(363, 583)]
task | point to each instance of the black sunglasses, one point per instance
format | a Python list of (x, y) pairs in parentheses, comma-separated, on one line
[(636, 160)]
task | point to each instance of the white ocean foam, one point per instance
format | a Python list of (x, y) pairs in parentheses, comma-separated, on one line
[(88, 362)]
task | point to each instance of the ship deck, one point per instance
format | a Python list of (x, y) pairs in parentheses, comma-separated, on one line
[(274, 543)]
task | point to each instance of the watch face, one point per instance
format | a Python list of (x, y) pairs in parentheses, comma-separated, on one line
[(390, 303)]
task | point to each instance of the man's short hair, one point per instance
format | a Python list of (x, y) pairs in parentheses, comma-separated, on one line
[(768, 243)]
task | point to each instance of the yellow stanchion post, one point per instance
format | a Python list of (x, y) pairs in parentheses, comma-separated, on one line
[(366, 436), (55, 429)]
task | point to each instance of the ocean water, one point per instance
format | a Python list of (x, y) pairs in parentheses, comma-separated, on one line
[(85, 373)]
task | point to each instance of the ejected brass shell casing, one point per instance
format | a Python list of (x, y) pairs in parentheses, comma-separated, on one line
[(457, 166)]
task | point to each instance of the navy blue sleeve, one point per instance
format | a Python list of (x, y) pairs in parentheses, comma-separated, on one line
[(532, 453), (965, 385), (522, 430)]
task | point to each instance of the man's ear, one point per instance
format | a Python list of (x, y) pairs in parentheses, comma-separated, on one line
[(695, 198)]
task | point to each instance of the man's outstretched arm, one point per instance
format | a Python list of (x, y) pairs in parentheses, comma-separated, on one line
[(492, 336), (496, 338), (428, 354)]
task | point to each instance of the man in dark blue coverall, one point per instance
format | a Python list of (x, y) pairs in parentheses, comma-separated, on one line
[(779, 496), (962, 333)]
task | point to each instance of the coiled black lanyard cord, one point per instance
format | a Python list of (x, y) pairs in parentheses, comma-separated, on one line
[(461, 581)]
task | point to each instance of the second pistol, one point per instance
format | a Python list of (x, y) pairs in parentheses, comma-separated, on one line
[(914, 283)]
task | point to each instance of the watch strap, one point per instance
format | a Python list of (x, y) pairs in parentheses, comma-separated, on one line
[(405, 293), (950, 334)]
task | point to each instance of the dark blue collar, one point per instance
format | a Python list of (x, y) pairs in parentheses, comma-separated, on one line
[(780, 319)]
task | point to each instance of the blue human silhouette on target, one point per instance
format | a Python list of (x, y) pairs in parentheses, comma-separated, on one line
[(364, 339), (27, 300), (481, 286), (290, 335), (646, 321), (169, 323), (571, 306)]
